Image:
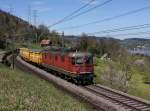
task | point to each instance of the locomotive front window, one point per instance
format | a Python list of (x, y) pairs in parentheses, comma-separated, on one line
[(82, 60), (79, 60)]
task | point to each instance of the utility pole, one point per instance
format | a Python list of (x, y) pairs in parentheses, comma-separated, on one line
[(35, 17), (35, 23), (11, 9), (13, 39), (29, 14), (13, 48), (36, 37), (62, 38)]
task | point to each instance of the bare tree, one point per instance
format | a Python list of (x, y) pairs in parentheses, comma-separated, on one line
[(118, 79)]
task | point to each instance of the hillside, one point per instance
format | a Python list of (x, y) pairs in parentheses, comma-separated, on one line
[(12, 26), (17, 29), (134, 42), (25, 92), (127, 43)]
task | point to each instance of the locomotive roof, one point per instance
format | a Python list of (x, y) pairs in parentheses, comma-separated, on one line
[(65, 51), (79, 54), (58, 49)]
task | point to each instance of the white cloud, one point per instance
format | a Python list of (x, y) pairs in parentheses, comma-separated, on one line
[(42, 9), (37, 3), (40, 6)]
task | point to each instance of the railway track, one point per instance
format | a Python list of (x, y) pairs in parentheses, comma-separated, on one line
[(123, 100)]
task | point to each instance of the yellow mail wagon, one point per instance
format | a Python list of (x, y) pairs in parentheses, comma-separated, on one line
[(35, 57), (24, 53)]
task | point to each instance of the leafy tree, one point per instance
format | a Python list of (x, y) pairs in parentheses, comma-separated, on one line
[(42, 32), (83, 42)]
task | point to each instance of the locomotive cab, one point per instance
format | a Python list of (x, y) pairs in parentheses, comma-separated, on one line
[(82, 64)]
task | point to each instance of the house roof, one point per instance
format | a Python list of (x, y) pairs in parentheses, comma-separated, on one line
[(45, 42)]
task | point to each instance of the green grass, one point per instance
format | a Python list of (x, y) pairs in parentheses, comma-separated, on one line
[(34, 46), (2, 50), (138, 87), (29, 45), (99, 68), (24, 92)]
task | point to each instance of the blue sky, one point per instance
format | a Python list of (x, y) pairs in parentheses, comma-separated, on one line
[(50, 11)]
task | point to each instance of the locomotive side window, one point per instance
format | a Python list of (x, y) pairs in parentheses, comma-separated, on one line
[(62, 58), (73, 60), (56, 57)]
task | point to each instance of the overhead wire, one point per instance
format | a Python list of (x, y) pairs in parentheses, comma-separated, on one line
[(122, 29), (88, 10), (136, 33), (71, 14), (107, 19)]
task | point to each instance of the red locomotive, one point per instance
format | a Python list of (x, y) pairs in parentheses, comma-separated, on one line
[(68, 64), (71, 65)]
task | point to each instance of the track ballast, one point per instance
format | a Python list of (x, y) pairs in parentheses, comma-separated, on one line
[(123, 100)]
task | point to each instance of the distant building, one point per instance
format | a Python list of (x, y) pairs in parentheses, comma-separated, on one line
[(45, 43)]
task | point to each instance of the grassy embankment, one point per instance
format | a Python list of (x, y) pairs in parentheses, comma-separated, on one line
[(22, 92), (34, 46), (27, 45), (2, 50), (138, 87)]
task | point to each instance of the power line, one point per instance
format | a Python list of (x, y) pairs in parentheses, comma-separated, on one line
[(136, 33), (97, 6), (107, 19), (70, 17), (63, 19), (122, 29), (29, 14)]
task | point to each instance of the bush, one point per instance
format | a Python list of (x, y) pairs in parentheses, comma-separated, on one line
[(118, 79)]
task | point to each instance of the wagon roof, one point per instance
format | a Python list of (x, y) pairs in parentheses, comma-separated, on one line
[(35, 50), (45, 42)]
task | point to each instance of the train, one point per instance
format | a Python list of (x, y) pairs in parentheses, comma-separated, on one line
[(73, 66)]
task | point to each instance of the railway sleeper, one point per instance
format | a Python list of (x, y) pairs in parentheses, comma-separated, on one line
[(146, 109), (142, 107)]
